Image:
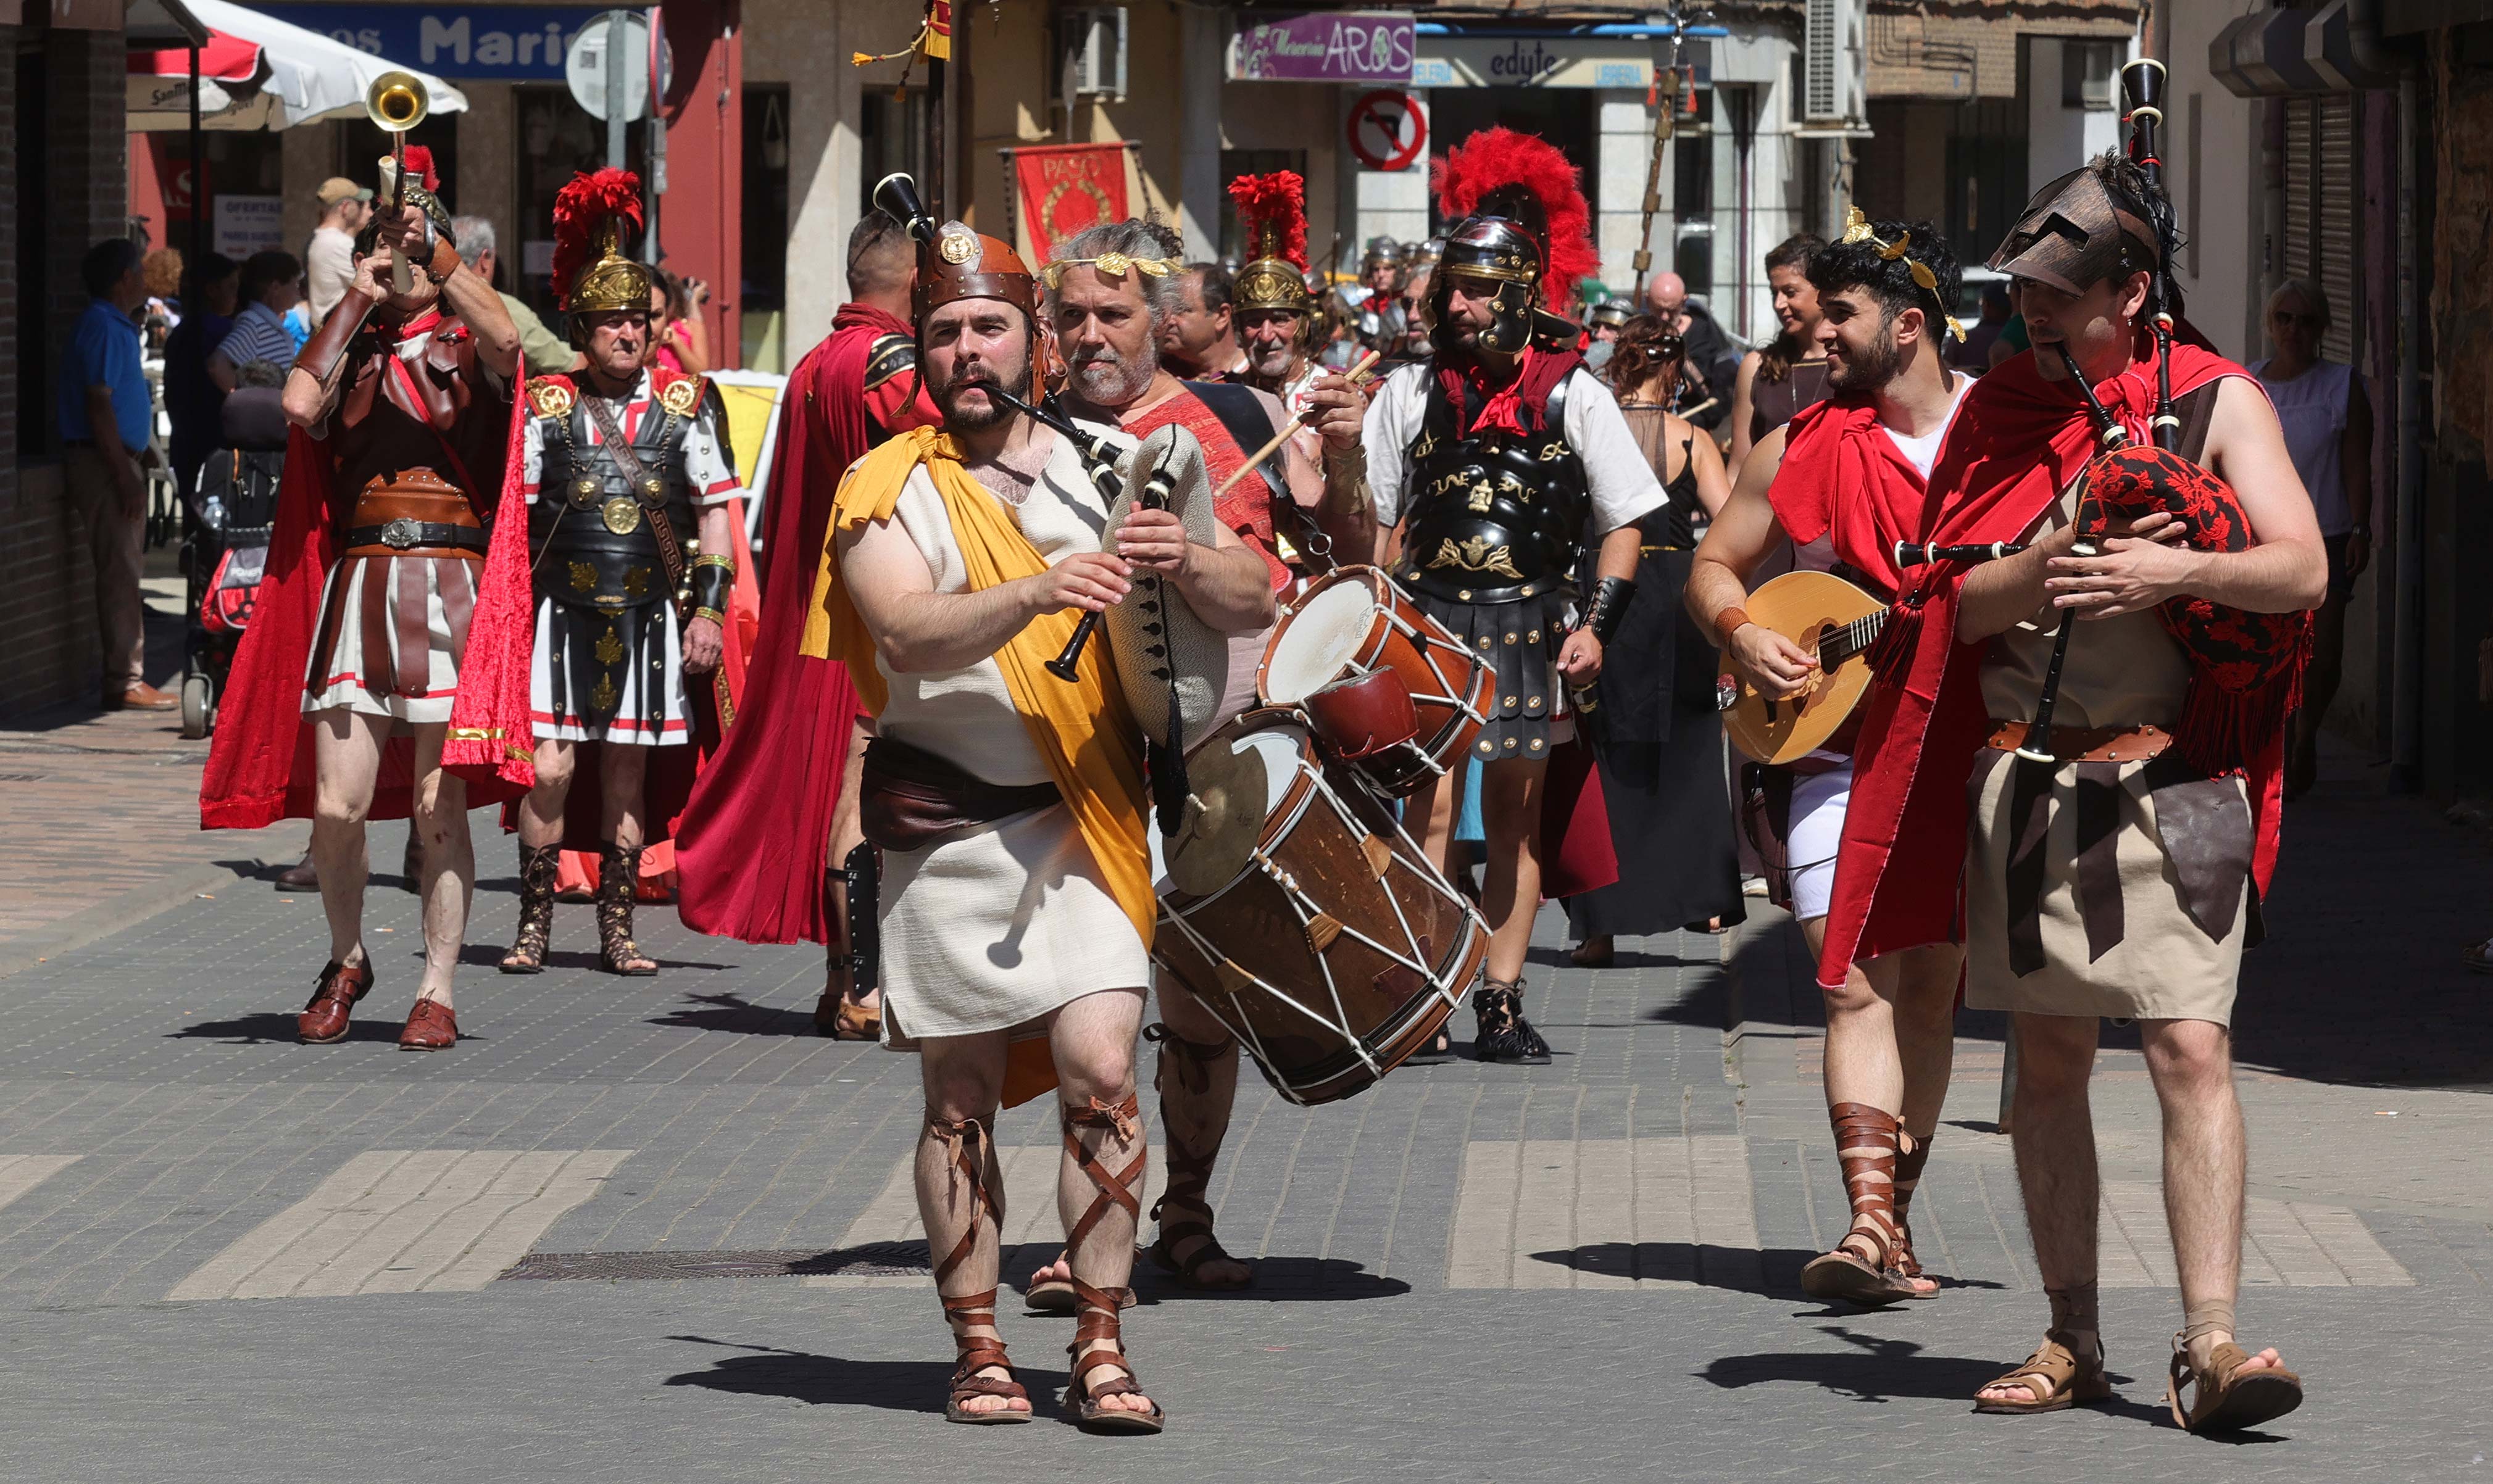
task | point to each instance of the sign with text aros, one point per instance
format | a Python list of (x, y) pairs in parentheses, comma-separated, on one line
[(1332, 46)]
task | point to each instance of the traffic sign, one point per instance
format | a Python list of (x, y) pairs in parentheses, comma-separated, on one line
[(585, 65), (1388, 129)]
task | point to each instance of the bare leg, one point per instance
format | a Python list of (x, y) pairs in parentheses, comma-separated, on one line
[(2319, 688), (1197, 1093), (347, 762), (541, 811), (1437, 809), (1093, 1039), (1511, 895), (964, 1078), (2052, 1130), (622, 773), (448, 885), (2205, 1165)]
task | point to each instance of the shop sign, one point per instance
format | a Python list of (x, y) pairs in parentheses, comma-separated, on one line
[(1332, 46), (521, 42), (245, 225), (1532, 62)]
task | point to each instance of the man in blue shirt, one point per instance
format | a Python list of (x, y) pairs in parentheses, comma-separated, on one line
[(105, 415)]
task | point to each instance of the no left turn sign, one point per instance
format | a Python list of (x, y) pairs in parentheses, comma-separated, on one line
[(1388, 130)]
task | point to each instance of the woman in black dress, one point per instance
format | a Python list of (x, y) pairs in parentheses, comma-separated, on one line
[(1655, 730), (1790, 372)]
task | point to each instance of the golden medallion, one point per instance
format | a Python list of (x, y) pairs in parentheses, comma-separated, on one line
[(623, 515), (550, 398), (957, 246), (680, 398)]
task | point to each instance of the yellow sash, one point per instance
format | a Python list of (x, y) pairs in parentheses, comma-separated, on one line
[(1083, 728)]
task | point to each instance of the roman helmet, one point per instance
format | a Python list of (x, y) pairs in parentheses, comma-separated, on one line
[(1272, 213), (591, 276), (954, 262), (1521, 223), (2076, 233), (1382, 252)]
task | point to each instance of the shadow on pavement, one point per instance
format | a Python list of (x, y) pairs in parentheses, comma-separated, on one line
[(1881, 1369), (1738, 1269), (733, 1012), (269, 1026), (489, 956), (898, 1385), (1278, 1280)]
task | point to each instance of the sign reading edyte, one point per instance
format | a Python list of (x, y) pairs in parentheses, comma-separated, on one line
[(1533, 62), (520, 43), (1335, 46)]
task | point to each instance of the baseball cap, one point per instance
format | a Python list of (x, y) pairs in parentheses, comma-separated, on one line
[(338, 188)]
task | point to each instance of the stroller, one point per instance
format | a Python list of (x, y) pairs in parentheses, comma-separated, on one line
[(227, 546)]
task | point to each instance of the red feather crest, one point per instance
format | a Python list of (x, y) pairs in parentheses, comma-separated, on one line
[(578, 209), (1501, 156), (1278, 200), (419, 168)]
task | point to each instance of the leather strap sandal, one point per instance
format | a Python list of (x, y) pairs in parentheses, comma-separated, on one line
[(981, 1353), (1189, 1172), (2224, 1397), (618, 879), (1910, 1164), (1504, 1034), (2054, 1377), (538, 867), (1867, 1268), (1101, 1322)]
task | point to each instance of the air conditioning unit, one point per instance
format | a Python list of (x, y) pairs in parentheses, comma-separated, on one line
[(1093, 45), (1834, 63)]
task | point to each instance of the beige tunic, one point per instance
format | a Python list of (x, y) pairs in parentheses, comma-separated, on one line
[(994, 931), (2145, 956)]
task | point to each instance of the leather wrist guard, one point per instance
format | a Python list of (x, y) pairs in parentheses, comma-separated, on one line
[(712, 578), (1729, 622), (320, 356), (443, 262), (1609, 608)]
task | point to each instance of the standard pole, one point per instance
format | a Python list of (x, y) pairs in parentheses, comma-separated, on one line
[(618, 32)]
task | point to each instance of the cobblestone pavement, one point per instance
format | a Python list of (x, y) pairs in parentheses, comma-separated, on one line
[(656, 1229)]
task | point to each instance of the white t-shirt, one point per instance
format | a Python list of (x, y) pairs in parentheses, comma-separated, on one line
[(2312, 409), (328, 269), (1923, 453), (1622, 484)]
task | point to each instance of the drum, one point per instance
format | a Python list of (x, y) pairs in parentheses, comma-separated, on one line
[(1293, 905), (1354, 621)]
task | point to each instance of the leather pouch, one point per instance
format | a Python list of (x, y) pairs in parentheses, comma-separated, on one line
[(908, 798)]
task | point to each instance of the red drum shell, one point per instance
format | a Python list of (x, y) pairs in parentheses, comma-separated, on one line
[(1353, 621), (1364, 715)]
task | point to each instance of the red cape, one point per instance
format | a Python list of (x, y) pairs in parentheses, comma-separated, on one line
[(1842, 475), (260, 761), (2017, 441), (754, 837)]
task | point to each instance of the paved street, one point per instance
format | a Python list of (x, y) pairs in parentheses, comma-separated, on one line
[(655, 1229)]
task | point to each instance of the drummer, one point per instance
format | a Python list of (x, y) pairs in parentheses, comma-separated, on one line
[(1008, 805), (1107, 299)]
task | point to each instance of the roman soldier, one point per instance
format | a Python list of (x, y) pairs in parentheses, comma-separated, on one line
[(1378, 322), (1501, 459), (396, 519), (624, 461), (1278, 324)]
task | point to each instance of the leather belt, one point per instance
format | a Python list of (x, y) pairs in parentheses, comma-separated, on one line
[(402, 537), (2087, 744)]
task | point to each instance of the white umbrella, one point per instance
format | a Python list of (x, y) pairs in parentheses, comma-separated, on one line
[(305, 78)]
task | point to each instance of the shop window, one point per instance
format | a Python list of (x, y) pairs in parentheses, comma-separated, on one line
[(34, 347), (556, 139), (1234, 163), (896, 132), (766, 197)]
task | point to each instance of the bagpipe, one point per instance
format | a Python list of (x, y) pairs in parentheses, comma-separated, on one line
[(2246, 667)]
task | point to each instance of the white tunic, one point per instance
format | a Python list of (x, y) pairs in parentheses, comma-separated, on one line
[(994, 931)]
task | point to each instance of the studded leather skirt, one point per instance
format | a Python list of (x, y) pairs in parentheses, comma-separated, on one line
[(1520, 643)]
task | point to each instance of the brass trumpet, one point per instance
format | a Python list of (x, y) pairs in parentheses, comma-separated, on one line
[(396, 102)]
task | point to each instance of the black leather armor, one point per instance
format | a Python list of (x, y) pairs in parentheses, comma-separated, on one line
[(589, 534), (1493, 517)]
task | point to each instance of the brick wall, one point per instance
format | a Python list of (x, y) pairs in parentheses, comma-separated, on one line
[(49, 653)]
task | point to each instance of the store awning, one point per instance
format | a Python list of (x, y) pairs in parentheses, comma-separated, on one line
[(2334, 47), (271, 74)]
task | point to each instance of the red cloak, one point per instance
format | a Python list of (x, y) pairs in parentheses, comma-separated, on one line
[(2017, 442), (753, 839), (1842, 476), (260, 766)]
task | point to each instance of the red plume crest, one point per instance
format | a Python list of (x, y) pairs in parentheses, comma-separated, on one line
[(589, 199), (1281, 201), (1501, 156), (419, 168)]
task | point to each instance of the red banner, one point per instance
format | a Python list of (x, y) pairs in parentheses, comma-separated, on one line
[(1063, 188)]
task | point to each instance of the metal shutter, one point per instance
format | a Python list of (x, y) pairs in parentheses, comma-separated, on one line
[(2322, 196)]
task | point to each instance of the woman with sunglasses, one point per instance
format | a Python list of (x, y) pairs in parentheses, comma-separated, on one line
[(1654, 725)]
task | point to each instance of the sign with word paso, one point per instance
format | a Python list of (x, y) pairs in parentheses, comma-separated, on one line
[(523, 43), (1061, 189), (1333, 46)]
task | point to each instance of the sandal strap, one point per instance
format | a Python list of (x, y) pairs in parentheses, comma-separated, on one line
[(1189, 1167), (2053, 1363), (2206, 1386), (962, 1136), (1116, 1189), (1866, 1139)]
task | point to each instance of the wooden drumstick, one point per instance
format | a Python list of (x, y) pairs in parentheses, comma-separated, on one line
[(1296, 422)]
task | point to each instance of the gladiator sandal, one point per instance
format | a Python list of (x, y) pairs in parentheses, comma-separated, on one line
[(1863, 1267), (1189, 1167), (976, 1345), (618, 878), (538, 865), (1504, 1034), (2224, 1397), (1098, 1307), (2066, 1369), (1909, 1178)]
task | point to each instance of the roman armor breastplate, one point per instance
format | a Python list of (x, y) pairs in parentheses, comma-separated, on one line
[(589, 531), (1496, 517), (424, 426)]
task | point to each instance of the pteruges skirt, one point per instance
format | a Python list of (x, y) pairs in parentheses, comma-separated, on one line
[(392, 632), (599, 676), (1519, 642)]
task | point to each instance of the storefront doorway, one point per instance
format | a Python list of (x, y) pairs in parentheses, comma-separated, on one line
[(1563, 116)]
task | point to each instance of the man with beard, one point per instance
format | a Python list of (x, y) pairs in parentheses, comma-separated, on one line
[(339, 702), (1107, 296), (1200, 341), (1017, 902), (1503, 461), (1841, 484), (779, 801)]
